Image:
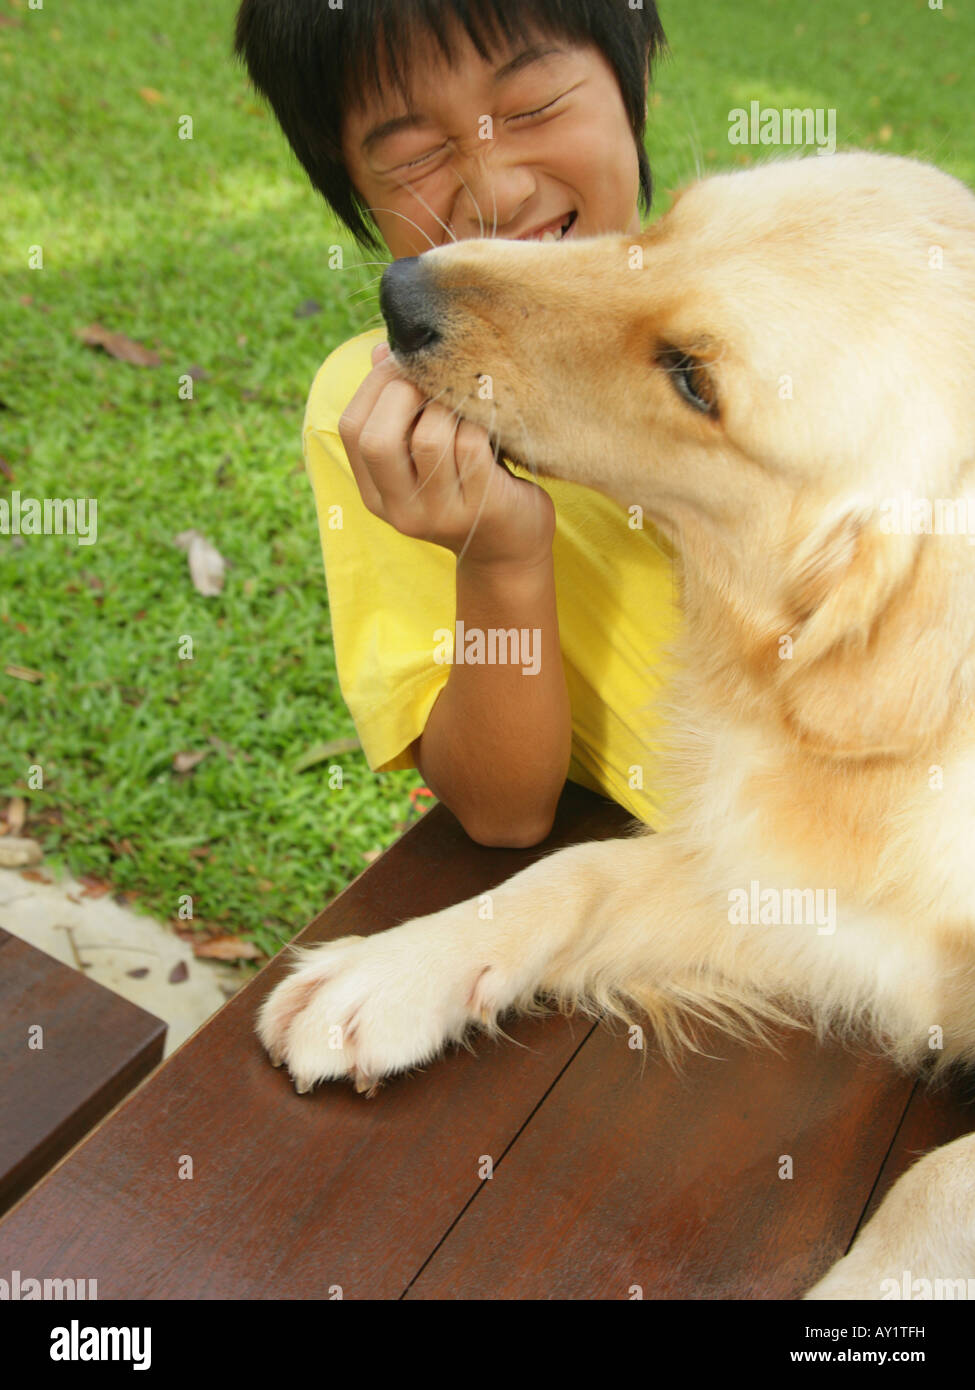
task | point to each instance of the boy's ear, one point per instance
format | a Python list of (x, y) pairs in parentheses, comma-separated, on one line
[(884, 637)]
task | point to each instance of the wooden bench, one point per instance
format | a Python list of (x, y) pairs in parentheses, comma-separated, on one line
[(95, 1048), (612, 1175)]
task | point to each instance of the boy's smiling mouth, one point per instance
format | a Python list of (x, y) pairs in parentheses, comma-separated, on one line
[(556, 230)]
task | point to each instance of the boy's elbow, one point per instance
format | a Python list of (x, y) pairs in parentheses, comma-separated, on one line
[(510, 835)]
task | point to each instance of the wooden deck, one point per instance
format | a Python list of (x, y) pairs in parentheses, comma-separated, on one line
[(610, 1180), (96, 1047)]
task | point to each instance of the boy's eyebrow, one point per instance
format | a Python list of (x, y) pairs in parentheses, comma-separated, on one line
[(534, 54)]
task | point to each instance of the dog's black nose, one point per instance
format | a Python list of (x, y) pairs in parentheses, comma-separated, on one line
[(408, 303)]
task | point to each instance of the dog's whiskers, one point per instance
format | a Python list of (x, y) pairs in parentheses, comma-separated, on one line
[(366, 288), (527, 460), (454, 412), (423, 202), (494, 202), (480, 508), (377, 320), (495, 448), (467, 187), (393, 213)]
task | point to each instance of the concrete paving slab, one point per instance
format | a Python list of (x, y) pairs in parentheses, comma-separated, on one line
[(136, 956)]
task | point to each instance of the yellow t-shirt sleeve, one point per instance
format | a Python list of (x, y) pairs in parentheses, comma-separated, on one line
[(389, 594)]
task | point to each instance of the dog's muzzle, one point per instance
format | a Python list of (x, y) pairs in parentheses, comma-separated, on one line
[(408, 301)]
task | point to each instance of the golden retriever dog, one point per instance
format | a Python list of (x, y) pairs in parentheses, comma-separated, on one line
[(781, 374)]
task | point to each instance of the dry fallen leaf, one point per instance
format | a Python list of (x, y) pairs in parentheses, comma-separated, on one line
[(24, 673), (16, 814), (94, 887), (150, 96), (186, 762), (16, 852), (118, 345), (227, 948), (206, 564)]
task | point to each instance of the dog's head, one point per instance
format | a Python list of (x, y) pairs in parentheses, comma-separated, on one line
[(769, 372)]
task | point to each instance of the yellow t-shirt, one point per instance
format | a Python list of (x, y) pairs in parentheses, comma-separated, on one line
[(389, 593)]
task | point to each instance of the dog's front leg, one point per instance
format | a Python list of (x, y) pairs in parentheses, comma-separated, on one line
[(588, 921)]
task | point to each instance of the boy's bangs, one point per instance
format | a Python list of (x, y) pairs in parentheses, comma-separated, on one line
[(394, 39)]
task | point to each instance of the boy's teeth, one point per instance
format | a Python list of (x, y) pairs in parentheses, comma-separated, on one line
[(549, 236)]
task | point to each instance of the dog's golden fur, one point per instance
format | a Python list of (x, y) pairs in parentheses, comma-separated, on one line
[(823, 722)]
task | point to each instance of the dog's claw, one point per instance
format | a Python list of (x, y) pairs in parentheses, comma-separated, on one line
[(276, 1056), (301, 1085), (365, 1085)]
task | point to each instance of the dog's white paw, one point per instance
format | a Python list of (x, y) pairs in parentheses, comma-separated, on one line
[(367, 1007)]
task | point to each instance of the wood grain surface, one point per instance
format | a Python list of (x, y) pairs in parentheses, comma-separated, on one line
[(96, 1048), (613, 1176)]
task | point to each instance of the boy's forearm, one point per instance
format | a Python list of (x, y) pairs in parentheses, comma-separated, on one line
[(496, 746)]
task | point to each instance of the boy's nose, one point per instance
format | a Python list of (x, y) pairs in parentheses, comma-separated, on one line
[(408, 302)]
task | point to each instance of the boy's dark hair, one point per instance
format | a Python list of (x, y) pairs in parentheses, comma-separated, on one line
[(312, 62)]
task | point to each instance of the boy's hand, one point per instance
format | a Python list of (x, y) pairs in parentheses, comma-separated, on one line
[(437, 480)]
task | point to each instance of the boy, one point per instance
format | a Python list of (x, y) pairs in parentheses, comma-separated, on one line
[(517, 118)]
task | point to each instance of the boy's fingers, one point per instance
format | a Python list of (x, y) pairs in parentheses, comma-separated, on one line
[(381, 449), (368, 491), (362, 404), (476, 462), (447, 452), (359, 413), (431, 445), (379, 353)]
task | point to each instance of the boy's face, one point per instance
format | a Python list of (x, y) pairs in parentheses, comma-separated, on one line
[(538, 134)]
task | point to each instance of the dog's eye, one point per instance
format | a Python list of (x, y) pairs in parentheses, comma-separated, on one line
[(691, 380)]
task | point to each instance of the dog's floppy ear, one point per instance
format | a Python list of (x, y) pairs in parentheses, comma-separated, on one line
[(841, 577), (882, 628)]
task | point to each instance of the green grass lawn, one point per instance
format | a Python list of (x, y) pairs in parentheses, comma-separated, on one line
[(202, 250)]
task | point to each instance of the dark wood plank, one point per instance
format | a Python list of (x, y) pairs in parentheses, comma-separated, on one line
[(671, 1182), (96, 1048), (293, 1195)]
